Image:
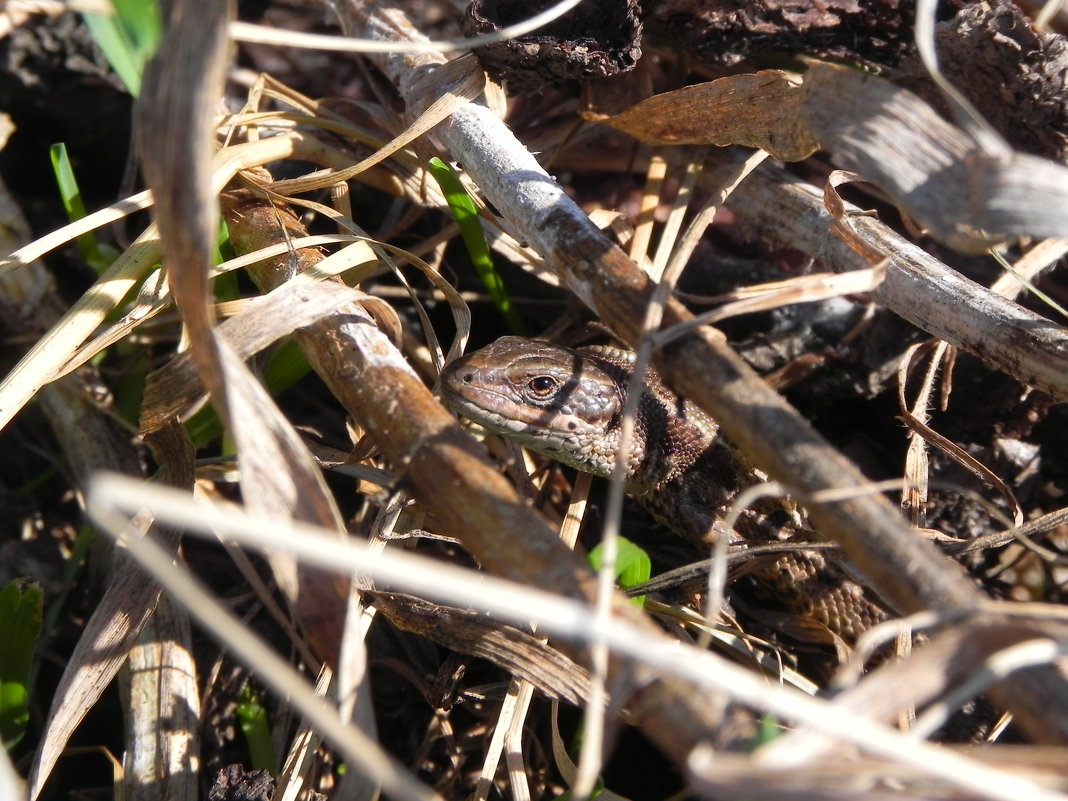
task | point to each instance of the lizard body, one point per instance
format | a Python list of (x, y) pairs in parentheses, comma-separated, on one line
[(567, 404)]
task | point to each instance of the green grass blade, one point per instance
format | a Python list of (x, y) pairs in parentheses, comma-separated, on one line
[(129, 37), (466, 215), (71, 196)]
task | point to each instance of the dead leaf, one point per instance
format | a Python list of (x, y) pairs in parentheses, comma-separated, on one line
[(760, 110)]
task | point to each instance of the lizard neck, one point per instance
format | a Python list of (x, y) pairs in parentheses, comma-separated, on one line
[(671, 435), (681, 469)]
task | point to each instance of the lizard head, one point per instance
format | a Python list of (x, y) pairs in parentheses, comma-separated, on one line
[(556, 401)]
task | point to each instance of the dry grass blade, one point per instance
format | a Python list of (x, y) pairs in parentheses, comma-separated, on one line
[(455, 85), (917, 423), (297, 764), (1042, 256), (163, 724), (29, 253), (914, 496), (45, 359), (111, 631), (1026, 534), (775, 295), (191, 67), (513, 726), (643, 224), (259, 33), (175, 131)]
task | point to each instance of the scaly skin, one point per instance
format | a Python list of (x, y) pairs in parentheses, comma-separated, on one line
[(567, 404)]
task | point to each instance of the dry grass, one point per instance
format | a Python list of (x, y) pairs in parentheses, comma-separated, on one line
[(414, 535)]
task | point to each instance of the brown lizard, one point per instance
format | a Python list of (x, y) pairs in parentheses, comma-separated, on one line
[(567, 403)]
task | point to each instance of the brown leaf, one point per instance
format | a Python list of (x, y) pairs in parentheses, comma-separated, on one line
[(761, 110)]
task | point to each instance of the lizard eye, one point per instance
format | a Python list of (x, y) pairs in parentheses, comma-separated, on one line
[(542, 386)]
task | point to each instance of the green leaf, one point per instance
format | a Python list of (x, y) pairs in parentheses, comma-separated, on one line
[(14, 712), (768, 728), (21, 604), (466, 215), (633, 566), (128, 37)]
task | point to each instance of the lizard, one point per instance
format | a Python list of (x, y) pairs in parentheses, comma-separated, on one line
[(567, 404)]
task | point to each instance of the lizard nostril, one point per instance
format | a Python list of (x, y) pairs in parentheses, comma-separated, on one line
[(467, 377)]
